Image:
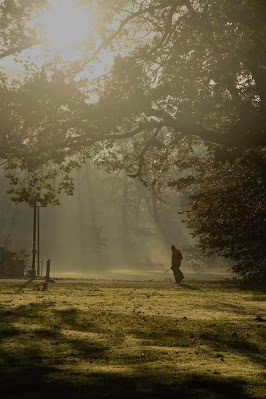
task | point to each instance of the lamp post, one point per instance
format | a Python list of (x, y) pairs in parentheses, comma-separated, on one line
[(36, 218), (33, 204), (38, 237)]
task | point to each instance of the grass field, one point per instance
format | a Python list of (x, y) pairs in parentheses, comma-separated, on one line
[(104, 339)]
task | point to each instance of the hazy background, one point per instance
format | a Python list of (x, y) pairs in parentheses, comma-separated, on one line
[(111, 223)]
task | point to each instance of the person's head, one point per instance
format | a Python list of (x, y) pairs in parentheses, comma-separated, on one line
[(173, 247)]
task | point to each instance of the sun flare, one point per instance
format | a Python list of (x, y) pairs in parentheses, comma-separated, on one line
[(66, 26)]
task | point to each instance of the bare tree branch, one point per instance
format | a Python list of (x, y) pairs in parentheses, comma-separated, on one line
[(21, 47), (143, 152), (105, 43)]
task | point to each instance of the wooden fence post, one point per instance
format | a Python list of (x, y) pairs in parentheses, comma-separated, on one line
[(48, 266)]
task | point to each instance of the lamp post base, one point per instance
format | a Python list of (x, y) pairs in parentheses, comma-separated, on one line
[(32, 273)]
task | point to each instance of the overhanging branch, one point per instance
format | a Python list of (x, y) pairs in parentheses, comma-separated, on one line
[(21, 47), (143, 152), (236, 137)]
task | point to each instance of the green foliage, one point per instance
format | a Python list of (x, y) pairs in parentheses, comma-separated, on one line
[(38, 145), (227, 211)]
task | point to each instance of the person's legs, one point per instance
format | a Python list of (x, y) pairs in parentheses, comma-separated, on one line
[(178, 276)]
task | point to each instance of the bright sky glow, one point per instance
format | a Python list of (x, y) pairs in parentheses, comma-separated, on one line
[(66, 26)]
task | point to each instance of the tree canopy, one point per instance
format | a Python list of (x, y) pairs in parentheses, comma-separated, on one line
[(182, 105)]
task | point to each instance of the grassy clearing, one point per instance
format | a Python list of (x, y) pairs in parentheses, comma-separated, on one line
[(137, 340)]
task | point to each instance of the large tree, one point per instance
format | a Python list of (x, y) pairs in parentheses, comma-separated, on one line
[(192, 93), (187, 91)]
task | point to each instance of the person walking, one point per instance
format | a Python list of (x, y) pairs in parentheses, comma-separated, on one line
[(176, 264)]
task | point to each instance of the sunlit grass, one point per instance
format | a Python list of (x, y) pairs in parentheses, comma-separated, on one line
[(142, 340)]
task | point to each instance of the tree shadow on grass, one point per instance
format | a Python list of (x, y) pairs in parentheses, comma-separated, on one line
[(188, 287), (30, 372), (24, 285), (240, 345), (173, 335), (43, 382), (45, 363), (253, 287), (225, 307)]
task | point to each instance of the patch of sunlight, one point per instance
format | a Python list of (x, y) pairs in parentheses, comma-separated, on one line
[(99, 368), (65, 25), (144, 275), (89, 335)]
